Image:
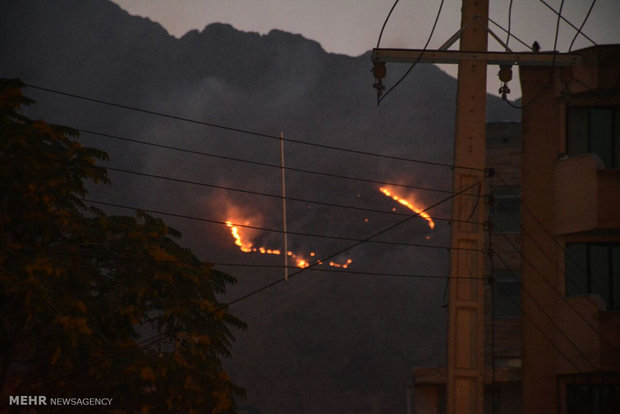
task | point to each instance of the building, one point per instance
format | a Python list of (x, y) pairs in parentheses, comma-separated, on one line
[(552, 311), (571, 235), (502, 297)]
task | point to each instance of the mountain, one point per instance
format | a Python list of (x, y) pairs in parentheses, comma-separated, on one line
[(322, 342)]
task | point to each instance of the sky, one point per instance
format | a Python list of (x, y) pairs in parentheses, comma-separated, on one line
[(352, 27)]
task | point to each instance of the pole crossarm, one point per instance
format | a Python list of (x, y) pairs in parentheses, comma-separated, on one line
[(455, 56)]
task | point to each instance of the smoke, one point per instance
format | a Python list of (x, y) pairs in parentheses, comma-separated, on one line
[(353, 336)]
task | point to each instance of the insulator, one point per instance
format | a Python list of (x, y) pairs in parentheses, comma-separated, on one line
[(505, 73), (378, 70), (504, 90)]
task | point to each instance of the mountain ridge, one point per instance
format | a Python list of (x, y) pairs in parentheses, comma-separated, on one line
[(322, 342)]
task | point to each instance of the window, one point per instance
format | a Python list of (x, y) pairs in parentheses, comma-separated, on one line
[(592, 399), (506, 295), (506, 210), (594, 268), (594, 130)]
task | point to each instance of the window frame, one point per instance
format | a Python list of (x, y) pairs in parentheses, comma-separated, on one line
[(502, 194), (612, 283), (615, 133), (593, 383)]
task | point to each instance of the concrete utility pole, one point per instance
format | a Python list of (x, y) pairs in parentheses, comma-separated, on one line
[(466, 322), (465, 380)]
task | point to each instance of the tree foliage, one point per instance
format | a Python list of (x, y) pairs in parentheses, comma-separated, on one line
[(93, 304)]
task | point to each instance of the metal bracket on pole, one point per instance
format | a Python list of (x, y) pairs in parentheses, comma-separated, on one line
[(489, 31), (453, 38)]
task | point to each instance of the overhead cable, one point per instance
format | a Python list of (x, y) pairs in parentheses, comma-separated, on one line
[(263, 164), (554, 262), (402, 78), (385, 22), (549, 318), (564, 299), (509, 23), (585, 19), (278, 196), (153, 261), (272, 230), (510, 34), (346, 249), (244, 131), (559, 13), (161, 336), (550, 81)]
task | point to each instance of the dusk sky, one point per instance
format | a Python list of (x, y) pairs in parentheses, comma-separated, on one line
[(368, 278), (352, 26)]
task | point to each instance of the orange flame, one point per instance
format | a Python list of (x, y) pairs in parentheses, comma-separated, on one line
[(410, 204), (248, 247), (341, 265), (243, 246)]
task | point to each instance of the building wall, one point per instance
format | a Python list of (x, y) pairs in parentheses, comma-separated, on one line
[(502, 334), (567, 198)]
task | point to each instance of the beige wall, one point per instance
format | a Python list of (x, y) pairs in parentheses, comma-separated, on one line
[(574, 199)]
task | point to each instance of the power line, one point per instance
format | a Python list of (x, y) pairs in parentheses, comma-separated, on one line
[(161, 336), (277, 196), (555, 263), (550, 81), (559, 13), (428, 40), (542, 309), (540, 224), (557, 32), (509, 23), (538, 328), (349, 272), (354, 245), (263, 164), (549, 234), (585, 19), (320, 236), (244, 131), (510, 34), (385, 22), (353, 272), (556, 290)]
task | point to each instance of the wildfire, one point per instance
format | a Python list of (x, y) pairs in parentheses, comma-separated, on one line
[(410, 204), (342, 265), (234, 230), (299, 259)]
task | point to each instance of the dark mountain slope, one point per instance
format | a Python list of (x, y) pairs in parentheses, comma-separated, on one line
[(323, 342)]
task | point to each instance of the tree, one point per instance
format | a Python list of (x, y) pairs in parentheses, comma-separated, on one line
[(93, 304)]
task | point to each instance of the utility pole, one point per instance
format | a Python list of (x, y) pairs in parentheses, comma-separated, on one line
[(465, 380), (466, 319)]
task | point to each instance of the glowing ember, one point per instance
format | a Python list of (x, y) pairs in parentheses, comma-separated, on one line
[(410, 204), (341, 265), (248, 247)]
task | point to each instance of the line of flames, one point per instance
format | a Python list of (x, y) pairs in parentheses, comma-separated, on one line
[(300, 260), (409, 203)]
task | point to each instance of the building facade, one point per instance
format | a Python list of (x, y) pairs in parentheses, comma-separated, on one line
[(501, 292), (552, 311), (571, 235)]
